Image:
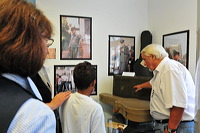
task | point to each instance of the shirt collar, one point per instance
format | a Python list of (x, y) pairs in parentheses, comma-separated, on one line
[(160, 65), (25, 82), (16, 78)]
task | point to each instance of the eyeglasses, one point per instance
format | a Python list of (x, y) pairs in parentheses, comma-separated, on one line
[(49, 42), (143, 63)]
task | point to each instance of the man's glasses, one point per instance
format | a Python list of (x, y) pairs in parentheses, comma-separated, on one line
[(143, 63)]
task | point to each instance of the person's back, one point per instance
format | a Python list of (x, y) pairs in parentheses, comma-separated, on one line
[(80, 113)]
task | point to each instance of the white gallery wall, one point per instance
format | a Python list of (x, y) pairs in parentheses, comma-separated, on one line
[(109, 17), (169, 16)]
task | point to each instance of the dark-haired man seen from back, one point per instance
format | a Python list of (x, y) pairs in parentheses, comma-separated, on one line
[(80, 113)]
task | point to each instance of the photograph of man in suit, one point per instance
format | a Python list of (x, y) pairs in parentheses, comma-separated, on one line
[(74, 44)]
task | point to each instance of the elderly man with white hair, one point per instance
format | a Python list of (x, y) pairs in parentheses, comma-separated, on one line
[(172, 102)]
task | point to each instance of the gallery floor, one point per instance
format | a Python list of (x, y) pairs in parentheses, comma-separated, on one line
[(132, 127)]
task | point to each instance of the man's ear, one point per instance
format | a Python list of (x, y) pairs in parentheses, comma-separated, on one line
[(93, 83), (153, 56)]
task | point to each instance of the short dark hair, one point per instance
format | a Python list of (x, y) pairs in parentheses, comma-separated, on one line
[(176, 53), (73, 28), (84, 74), (121, 41), (21, 46)]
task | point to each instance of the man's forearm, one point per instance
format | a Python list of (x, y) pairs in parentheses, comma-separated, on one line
[(176, 114)]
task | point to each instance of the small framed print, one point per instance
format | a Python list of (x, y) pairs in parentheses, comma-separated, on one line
[(63, 79), (51, 54), (76, 38)]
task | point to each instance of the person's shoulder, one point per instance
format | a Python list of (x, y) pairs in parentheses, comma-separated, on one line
[(95, 104), (32, 115), (97, 108), (73, 97), (173, 65), (36, 106)]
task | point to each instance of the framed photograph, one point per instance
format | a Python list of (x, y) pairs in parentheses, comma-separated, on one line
[(177, 46), (63, 79), (121, 54), (76, 38)]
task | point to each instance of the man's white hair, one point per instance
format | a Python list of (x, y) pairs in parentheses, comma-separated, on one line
[(155, 49)]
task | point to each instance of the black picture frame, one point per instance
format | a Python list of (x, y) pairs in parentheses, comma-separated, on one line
[(177, 46), (67, 70), (118, 64), (79, 45)]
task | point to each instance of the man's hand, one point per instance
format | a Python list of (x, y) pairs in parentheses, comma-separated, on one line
[(144, 85), (138, 87)]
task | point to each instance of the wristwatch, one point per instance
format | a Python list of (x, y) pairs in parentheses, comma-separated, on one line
[(171, 130)]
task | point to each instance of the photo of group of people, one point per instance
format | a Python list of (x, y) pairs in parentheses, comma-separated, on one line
[(64, 79), (122, 54)]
